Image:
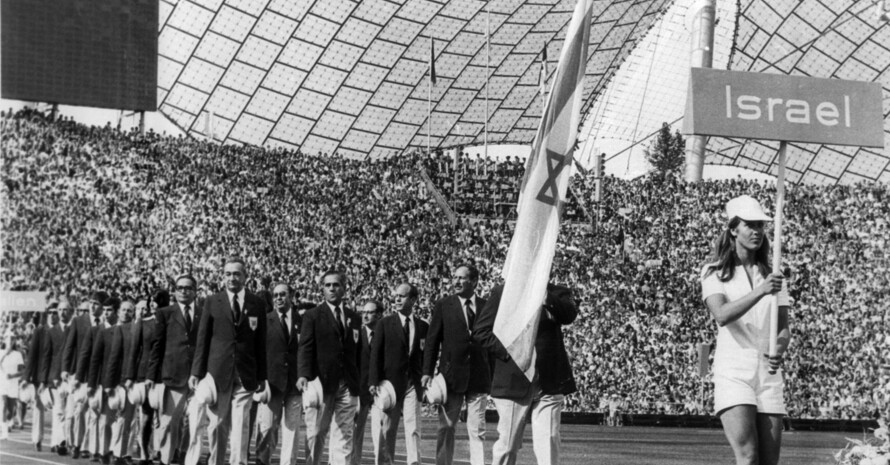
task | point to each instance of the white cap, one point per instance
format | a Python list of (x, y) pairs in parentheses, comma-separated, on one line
[(46, 398), (313, 394), (437, 392), (205, 393), (264, 396), (136, 394), (746, 208), (118, 399), (27, 393), (386, 396), (156, 396)]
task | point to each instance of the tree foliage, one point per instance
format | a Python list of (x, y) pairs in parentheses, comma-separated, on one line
[(667, 153)]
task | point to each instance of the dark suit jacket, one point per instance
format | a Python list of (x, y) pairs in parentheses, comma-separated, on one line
[(224, 346), (79, 347), (136, 366), (364, 365), (105, 362), (173, 348), (552, 363), (57, 338), (464, 362), (389, 354), (324, 354), (282, 350), (39, 357)]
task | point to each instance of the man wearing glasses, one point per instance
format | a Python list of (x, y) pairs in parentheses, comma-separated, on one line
[(285, 406), (171, 358), (371, 312)]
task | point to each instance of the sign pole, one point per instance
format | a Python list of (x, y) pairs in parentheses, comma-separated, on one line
[(777, 247)]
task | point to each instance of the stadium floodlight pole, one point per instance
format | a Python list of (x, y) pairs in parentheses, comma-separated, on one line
[(777, 248), (704, 12)]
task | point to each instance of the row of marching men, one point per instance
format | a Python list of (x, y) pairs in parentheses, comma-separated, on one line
[(122, 391)]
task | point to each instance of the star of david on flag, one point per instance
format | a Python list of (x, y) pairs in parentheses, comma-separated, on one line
[(527, 266)]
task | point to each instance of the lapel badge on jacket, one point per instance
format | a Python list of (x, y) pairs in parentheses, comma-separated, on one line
[(253, 322)]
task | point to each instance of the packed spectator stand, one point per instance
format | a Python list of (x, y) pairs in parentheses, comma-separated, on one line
[(96, 208)]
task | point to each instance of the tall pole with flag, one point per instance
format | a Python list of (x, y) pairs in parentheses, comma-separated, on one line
[(487, 73), (543, 191), (429, 96), (543, 79)]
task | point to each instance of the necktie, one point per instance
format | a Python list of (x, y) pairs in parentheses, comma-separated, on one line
[(408, 331), (284, 324), (371, 337), (471, 315), (96, 321), (188, 319), (236, 308), (339, 321)]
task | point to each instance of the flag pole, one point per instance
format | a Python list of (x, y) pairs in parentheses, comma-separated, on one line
[(429, 101), (487, 57), (777, 249)]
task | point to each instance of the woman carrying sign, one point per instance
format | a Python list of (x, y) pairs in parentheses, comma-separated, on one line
[(736, 287)]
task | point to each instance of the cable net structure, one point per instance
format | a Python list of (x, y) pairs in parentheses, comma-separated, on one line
[(351, 76), (839, 39)]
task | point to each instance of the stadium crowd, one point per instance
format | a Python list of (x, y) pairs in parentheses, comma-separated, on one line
[(95, 208)]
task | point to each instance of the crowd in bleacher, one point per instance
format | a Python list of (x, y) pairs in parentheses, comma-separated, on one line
[(90, 208)]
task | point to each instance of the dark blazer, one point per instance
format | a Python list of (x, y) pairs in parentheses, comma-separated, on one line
[(39, 357), (136, 366), (464, 362), (57, 338), (282, 350), (552, 362), (221, 341), (106, 359), (79, 347), (364, 365), (389, 355), (173, 347), (324, 354)]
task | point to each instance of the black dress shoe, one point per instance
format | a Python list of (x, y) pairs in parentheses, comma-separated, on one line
[(53, 449), (75, 452), (38, 447), (96, 458), (62, 450)]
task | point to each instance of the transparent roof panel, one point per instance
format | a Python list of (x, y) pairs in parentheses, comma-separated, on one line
[(358, 71)]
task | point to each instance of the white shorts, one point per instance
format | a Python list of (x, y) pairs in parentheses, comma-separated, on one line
[(744, 379)]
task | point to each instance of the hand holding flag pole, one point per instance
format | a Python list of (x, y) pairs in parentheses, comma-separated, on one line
[(777, 249)]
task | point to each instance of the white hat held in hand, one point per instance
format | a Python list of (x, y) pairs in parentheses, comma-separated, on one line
[(205, 393), (436, 392), (313, 394), (386, 396)]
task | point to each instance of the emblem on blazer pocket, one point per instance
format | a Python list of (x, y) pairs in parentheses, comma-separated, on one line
[(253, 322)]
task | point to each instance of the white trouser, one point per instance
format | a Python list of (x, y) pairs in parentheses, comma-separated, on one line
[(358, 435), (231, 414), (449, 414), (545, 411), (282, 412), (338, 408), (122, 430), (38, 418), (60, 400), (407, 408), (197, 413), (172, 435)]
